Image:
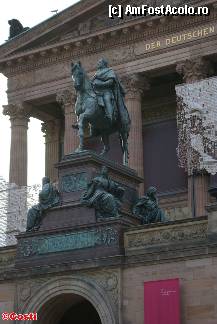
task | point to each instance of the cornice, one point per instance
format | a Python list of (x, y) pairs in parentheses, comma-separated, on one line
[(132, 32)]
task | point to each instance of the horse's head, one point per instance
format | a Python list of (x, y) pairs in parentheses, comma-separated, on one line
[(78, 75)]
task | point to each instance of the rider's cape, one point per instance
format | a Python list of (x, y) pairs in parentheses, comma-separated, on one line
[(118, 91)]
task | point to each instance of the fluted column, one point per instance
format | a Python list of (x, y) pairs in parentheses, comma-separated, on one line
[(194, 70), (19, 117), (51, 130), (67, 99), (135, 86)]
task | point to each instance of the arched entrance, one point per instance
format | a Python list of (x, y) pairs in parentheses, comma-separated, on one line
[(68, 308), (61, 299)]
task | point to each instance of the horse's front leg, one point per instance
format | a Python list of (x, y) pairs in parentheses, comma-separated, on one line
[(124, 139), (81, 126), (105, 140)]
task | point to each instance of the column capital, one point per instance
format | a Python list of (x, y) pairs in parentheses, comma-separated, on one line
[(50, 128), (66, 97), (195, 69), (135, 84), (17, 111)]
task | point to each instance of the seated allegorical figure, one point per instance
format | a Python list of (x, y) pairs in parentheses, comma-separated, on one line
[(48, 197), (147, 208), (103, 194)]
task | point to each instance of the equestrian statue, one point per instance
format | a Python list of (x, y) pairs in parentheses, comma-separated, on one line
[(100, 105)]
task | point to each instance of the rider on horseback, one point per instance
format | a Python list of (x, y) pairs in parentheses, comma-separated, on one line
[(100, 105), (109, 91)]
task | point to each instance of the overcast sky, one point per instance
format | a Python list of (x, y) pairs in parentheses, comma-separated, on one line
[(30, 13)]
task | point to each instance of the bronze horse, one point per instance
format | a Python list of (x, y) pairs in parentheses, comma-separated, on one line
[(90, 113)]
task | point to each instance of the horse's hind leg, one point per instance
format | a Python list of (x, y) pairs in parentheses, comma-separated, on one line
[(105, 140)]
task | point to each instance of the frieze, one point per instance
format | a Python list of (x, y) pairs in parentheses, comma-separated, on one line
[(74, 182), (29, 247), (167, 234), (42, 75)]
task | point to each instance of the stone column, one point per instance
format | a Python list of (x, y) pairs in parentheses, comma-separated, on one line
[(51, 130), (67, 99), (135, 85), (19, 117), (194, 70)]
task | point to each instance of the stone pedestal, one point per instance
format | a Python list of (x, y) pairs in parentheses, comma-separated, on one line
[(75, 229), (77, 169)]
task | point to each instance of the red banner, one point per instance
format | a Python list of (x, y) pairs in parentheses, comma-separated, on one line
[(162, 302)]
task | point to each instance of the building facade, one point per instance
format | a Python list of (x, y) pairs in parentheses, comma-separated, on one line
[(152, 56)]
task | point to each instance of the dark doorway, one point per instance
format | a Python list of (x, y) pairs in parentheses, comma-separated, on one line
[(81, 313), (160, 158)]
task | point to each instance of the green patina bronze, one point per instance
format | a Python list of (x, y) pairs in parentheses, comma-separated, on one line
[(48, 197), (100, 103), (147, 208), (103, 194), (106, 236), (74, 182), (16, 28)]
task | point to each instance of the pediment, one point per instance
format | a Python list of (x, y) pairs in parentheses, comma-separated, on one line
[(50, 31), (82, 19)]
